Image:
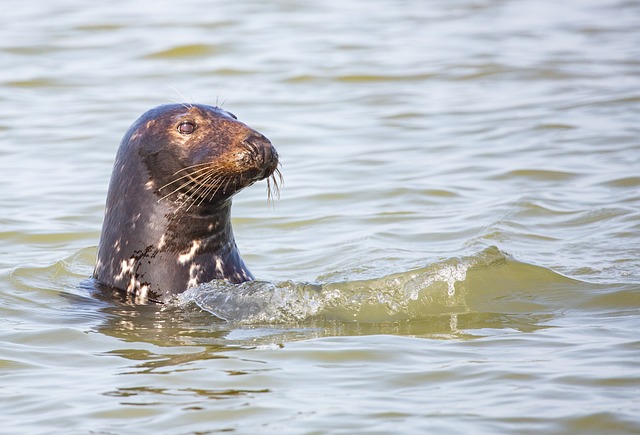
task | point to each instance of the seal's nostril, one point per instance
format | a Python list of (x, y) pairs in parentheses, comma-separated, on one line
[(258, 141), (264, 157), (262, 148)]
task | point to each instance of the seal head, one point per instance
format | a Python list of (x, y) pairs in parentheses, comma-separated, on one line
[(167, 220)]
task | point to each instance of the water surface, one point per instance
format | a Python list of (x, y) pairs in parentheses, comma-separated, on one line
[(455, 250)]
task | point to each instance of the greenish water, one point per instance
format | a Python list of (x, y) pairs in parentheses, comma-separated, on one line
[(455, 249)]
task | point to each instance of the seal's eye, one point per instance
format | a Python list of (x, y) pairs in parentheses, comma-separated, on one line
[(186, 127)]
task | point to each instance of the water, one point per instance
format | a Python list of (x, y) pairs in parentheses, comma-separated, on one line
[(455, 250)]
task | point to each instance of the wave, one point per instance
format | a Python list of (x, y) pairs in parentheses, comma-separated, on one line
[(490, 281), (487, 289)]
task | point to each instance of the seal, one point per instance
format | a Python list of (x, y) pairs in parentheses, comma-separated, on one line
[(167, 220)]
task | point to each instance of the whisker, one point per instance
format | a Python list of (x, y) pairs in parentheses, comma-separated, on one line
[(190, 174), (175, 190), (218, 188), (269, 200), (192, 180), (276, 188), (235, 184), (203, 187), (186, 103), (194, 166), (213, 183), (179, 102), (203, 181), (190, 196), (280, 176), (218, 101), (273, 191), (212, 186)]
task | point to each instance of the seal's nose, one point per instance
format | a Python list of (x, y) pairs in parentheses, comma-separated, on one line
[(264, 154), (270, 160)]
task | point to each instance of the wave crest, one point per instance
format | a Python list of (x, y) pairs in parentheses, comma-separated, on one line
[(439, 288)]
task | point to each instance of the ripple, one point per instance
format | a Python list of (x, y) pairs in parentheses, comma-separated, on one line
[(43, 82), (624, 182), (368, 78), (185, 51), (538, 175)]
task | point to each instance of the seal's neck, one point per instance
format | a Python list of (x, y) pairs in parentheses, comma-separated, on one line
[(147, 247), (203, 240), (210, 228)]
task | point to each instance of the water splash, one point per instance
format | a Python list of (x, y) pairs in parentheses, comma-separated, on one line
[(439, 288)]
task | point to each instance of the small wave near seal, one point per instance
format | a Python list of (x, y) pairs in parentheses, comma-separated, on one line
[(489, 281)]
